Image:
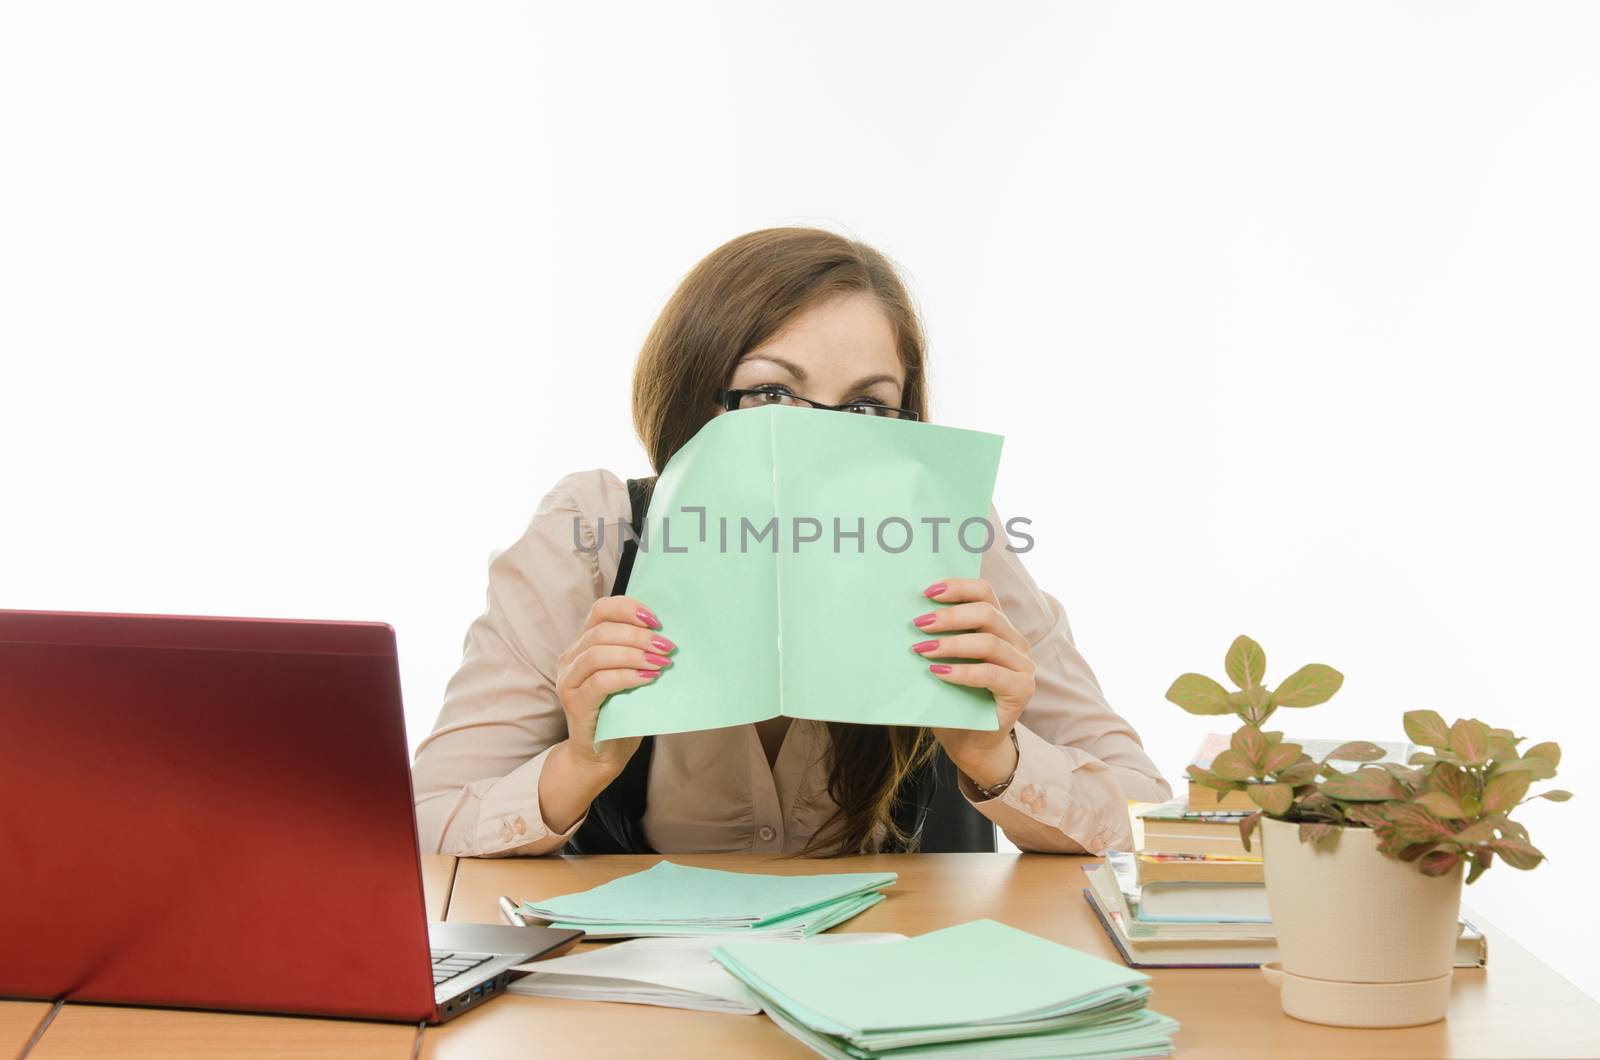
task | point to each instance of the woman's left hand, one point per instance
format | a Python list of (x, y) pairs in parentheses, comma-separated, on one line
[(974, 627)]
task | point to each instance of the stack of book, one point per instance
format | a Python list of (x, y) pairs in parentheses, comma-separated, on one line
[(1191, 894), (1232, 933), (1183, 843), (680, 901), (976, 990)]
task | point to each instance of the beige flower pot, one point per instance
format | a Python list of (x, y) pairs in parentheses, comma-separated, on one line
[(1366, 940)]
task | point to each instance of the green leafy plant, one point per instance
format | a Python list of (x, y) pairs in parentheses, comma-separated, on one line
[(1450, 804)]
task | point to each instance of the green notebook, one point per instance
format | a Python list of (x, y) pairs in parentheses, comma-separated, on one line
[(1144, 1034), (977, 989), (777, 623), (671, 900)]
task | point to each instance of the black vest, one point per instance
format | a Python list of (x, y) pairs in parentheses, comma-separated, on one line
[(613, 825)]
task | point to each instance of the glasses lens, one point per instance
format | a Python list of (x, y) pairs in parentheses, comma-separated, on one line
[(757, 398), (867, 408)]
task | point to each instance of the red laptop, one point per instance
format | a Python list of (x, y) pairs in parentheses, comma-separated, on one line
[(217, 813)]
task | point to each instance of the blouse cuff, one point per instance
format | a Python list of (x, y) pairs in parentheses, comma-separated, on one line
[(508, 813), (1043, 793)]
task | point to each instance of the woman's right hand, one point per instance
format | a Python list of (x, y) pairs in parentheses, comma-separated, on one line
[(617, 649)]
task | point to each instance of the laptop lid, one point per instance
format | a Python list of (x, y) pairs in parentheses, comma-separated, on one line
[(210, 813)]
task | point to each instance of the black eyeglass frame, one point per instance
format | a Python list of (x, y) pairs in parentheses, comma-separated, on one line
[(729, 400)]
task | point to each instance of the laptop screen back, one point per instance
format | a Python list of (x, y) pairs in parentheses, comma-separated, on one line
[(208, 812)]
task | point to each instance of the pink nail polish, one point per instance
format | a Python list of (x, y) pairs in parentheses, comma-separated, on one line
[(939, 668), (923, 621), (936, 589), (649, 673), (923, 647), (648, 618), (662, 644), (657, 660)]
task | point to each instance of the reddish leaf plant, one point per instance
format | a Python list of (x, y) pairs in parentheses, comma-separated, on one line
[(1451, 803)]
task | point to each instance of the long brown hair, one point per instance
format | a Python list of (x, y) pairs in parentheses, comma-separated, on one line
[(737, 297)]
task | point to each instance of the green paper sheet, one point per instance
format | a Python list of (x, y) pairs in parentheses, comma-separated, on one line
[(1140, 1036), (942, 979), (796, 926), (770, 621), (669, 900)]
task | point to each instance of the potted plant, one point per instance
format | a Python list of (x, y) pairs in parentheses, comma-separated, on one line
[(1364, 868)]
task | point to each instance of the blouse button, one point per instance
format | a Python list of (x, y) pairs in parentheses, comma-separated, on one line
[(765, 833)]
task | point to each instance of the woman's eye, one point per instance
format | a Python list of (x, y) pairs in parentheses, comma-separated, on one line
[(768, 394), (867, 408)]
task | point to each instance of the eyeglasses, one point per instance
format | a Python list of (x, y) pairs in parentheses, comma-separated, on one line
[(733, 400)]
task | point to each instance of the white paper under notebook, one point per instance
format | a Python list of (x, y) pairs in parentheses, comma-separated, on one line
[(674, 973)]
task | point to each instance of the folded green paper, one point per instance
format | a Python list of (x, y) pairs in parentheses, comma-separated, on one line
[(980, 989), (671, 900), (786, 551)]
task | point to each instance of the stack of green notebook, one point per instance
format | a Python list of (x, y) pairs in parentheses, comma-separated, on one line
[(980, 989), (677, 901)]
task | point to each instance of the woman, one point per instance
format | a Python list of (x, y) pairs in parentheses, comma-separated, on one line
[(785, 315)]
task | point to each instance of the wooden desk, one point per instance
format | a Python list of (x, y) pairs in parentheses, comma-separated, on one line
[(111, 1031), (1515, 1008), (18, 1021)]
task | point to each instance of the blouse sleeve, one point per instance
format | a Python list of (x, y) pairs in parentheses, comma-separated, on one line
[(476, 776), (1079, 762)]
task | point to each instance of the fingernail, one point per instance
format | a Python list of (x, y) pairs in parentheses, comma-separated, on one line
[(923, 620), (923, 647), (657, 660), (661, 644), (935, 589), (939, 668), (649, 673), (648, 618)]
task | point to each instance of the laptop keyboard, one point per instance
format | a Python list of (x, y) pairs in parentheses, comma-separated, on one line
[(447, 965)]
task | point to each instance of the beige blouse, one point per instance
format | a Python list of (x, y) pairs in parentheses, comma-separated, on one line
[(477, 775)]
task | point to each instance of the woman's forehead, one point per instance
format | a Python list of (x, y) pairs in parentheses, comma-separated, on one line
[(851, 333)]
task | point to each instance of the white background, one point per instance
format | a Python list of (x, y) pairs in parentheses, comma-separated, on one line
[(1288, 313)]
